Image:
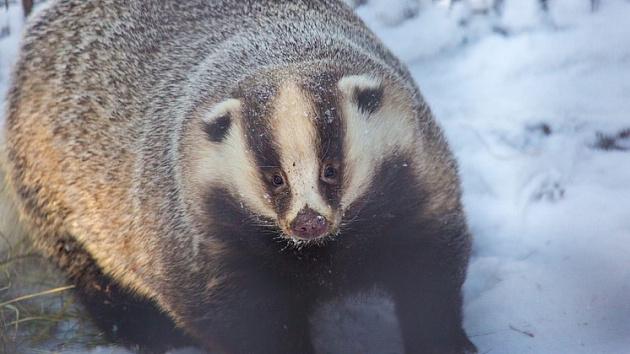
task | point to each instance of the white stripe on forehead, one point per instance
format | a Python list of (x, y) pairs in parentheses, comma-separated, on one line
[(295, 134)]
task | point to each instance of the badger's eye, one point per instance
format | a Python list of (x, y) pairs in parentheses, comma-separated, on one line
[(277, 180), (329, 174)]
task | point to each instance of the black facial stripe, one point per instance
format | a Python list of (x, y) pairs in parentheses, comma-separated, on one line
[(257, 108), (368, 100), (233, 224), (392, 197), (330, 129), (219, 128)]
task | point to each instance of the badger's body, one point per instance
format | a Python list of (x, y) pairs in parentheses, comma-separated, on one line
[(227, 165)]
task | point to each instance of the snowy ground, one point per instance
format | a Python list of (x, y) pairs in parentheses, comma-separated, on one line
[(535, 105)]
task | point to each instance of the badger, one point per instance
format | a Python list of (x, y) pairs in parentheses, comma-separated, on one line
[(208, 172)]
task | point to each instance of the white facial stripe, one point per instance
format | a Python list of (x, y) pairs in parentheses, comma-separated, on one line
[(371, 139), (238, 157), (296, 137), (217, 164)]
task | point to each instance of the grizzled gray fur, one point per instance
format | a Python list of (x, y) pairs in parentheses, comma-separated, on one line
[(108, 135)]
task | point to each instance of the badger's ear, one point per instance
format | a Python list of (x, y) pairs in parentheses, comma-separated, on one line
[(365, 91), (217, 122)]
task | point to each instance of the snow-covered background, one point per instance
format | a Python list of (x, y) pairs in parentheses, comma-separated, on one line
[(534, 97)]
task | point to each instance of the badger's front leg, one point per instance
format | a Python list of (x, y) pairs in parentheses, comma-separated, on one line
[(425, 281), (252, 313)]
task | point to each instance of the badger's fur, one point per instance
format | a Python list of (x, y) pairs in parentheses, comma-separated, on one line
[(214, 169)]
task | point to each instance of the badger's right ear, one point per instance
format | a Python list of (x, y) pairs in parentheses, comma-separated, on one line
[(218, 121), (365, 91)]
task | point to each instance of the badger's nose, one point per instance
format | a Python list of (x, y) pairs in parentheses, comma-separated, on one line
[(308, 224)]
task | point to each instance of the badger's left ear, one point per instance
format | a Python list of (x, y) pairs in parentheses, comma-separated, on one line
[(217, 122), (365, 91)]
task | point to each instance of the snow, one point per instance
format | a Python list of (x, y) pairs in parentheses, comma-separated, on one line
[(10, 22), (524, 97)]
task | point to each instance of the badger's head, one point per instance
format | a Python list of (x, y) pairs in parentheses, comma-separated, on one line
[(296, 154)]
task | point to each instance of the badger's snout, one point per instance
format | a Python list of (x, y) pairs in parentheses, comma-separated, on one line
[(308, 224)]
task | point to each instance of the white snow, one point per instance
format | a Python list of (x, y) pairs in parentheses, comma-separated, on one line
[(522, 96), (11, 20)]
